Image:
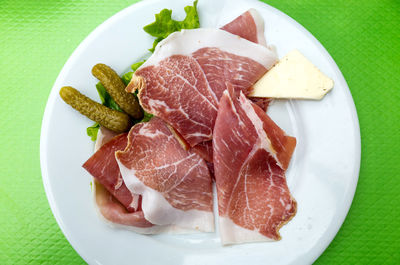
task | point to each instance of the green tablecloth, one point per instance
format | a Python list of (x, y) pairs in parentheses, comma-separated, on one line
[(37, 37)]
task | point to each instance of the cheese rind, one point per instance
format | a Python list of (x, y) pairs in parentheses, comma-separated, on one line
[(294, 76)]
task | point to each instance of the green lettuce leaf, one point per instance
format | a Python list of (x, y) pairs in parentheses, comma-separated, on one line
[(126, 78), (156, 41), (92, 131), (146, 117), (135, 66), (165, 25)]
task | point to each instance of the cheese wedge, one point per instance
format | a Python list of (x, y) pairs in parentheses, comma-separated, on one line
[(294, 76)]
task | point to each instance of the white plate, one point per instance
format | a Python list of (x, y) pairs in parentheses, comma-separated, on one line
[(322, 176)]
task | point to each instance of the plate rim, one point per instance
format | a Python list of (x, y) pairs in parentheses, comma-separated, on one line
[(347, 200)]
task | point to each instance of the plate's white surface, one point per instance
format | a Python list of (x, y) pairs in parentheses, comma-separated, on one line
[(322, 176)]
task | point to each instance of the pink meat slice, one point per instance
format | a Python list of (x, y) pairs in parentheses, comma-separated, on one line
[(115, 202), (175, 184), (254, 201), (185, 77), (222, 67), (177, 91), (112, 210), (282, 144), (205, 149), (104, 168), (249, 25)]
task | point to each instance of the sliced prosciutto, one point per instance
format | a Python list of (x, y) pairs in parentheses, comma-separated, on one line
[(251, 154), (114, 201), (104, 168), (175, 184), (113, 211), (249, 25), (220, 67), (185, 77)]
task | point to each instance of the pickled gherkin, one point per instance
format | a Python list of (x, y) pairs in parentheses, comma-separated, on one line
[(112, 119), (116, 88)]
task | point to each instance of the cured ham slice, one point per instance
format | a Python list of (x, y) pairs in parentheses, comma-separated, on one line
[(251, 154), (104, 168), (175, 184), (113, 211), (117, 216), (172, 91), (282, 145), (185, 77), (220, 67), (249, 25)]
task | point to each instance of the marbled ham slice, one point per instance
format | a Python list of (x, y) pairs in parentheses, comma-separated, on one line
[(104, 168), (282, 145), (249, 25), (220, 66), (117, 216), (250, 156), (184, 78), (113, 211), (175, 184), (177, 91)]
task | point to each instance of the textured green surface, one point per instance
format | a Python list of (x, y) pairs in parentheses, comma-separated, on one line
[(37, 37)]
